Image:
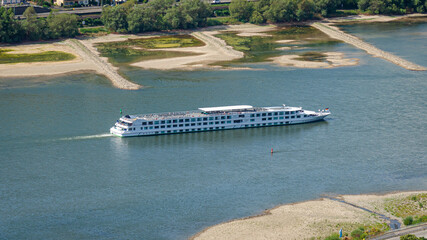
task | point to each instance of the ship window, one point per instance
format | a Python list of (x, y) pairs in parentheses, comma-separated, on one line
[(241, 115), (156, 127), (228, 121), (175, 131), (269, 114), (144, 123), (269, 118), (270, 124), (228, 117), (252, 115), (287, 122), (217, 128), (156, 132), (210, 123), (258, 115), (205, 119), (168, 121), (181, 120), (237, 121), (156, 122), (222, 127), (169, 131), (305, 115), (199, 129), (150, 123), (145, 128), (181, 125), (141, 128), (216, 118), (275, 114), (223, 117), (252, 120), (205, 123), (258, 124), (287, 117), (151, 127), (162, 122), (298, 116), (187, 130), (264, 124), (175, 125), (187, 124), (292, 112), (264, 114), (199, 119), (187, 120), (222, 122), (199, 124), (193, 124), (280, 117), (169, 126), (217, 122), (264, 119), (162, 126), (181, 130), (193, 119), (286, 113), (211, 128), (275, 118), (211, 118), (292, 116), (280, 113), (175, 121)]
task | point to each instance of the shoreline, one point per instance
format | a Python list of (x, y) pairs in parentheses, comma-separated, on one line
[(215, 50), (300, 219)]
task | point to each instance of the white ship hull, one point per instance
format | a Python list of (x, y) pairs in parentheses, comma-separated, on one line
[(213, 119)]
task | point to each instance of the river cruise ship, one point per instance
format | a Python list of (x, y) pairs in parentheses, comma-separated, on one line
[(213, 118)]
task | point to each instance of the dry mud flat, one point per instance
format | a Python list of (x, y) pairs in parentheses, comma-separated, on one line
[(305, 220)]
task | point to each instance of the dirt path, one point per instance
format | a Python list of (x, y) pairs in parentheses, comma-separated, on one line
[(336, 33), (103, 67)]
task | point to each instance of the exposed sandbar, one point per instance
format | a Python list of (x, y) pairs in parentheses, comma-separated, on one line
[(332, 59), (305, 220)]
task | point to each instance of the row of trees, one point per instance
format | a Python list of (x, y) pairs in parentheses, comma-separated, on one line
[(32, 28), (156, 15), (393, 6), (300, 10)]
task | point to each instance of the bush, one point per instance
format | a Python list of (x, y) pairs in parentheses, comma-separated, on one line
[(408, 220), (357, 233), (411, 237), (334, 236)]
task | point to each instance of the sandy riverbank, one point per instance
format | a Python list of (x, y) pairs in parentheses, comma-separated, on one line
[(78, 64), (305, 220), (332, 59)]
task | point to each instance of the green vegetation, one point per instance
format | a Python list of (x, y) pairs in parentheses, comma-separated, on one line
[(411, 220), (93, 31), (409, 206), (156, 15), (6, 57), (363, 232), (411, 237), (134, 50), (33, 28), (260, 49)]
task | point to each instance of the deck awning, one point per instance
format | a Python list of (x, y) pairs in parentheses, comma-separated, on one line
[(235, 108)]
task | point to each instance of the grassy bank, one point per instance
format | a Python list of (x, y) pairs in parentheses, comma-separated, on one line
[(134, 50), (49, 56)]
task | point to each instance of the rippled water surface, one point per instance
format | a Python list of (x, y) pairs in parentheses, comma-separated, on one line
[(63, 177)]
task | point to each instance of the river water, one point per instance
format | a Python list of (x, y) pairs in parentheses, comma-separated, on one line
[(63, 177)]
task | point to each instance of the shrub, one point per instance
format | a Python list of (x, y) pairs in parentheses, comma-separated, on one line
[(357, 233), (334, 236), (408, 220)]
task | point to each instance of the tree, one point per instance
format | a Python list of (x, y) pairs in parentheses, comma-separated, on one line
[(306, 10), (10, 29), (196, 12), (326, 7), (281, 11), (114, 18), (240, 10), (62, 25), (32, 27)]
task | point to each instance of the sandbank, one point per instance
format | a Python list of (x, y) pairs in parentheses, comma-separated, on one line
[(333, 59), (45, 68), (305, 220)]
